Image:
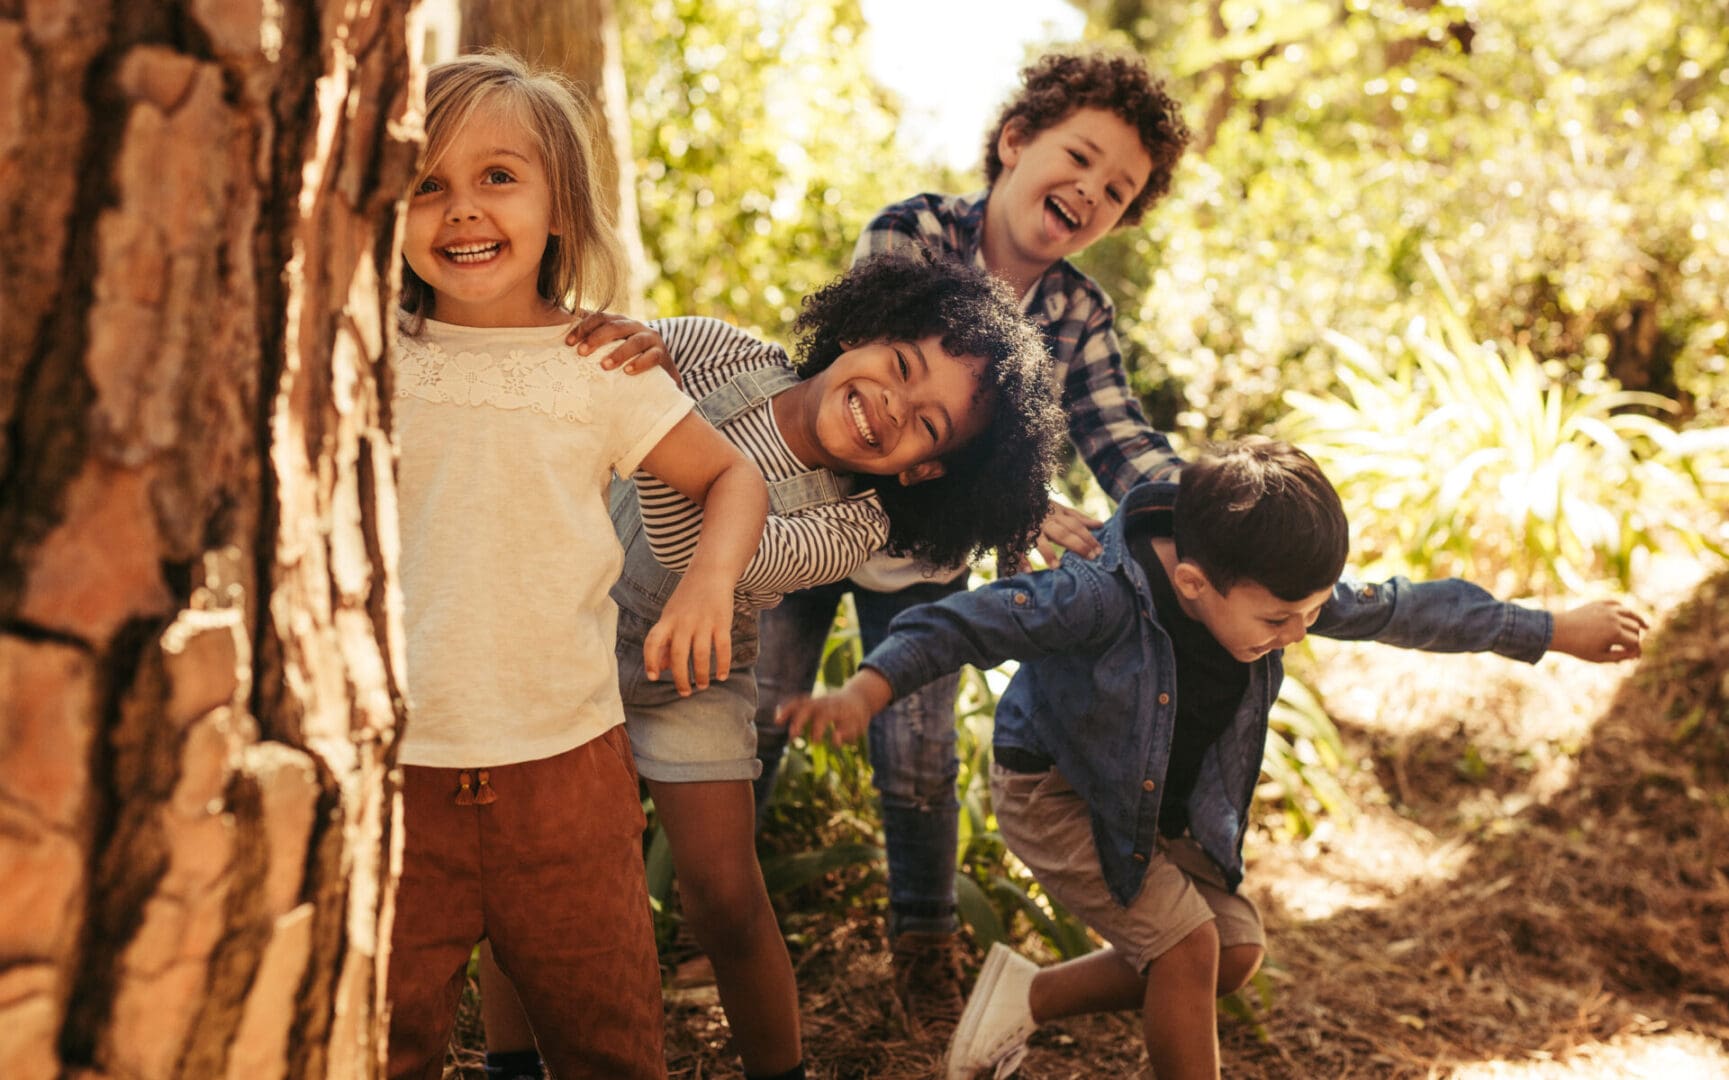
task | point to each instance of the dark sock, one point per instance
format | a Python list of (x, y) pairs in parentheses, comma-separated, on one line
[(514, 1065), (794, 1073)]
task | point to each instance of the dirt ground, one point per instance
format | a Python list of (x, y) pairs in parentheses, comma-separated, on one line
[(1534, 884)]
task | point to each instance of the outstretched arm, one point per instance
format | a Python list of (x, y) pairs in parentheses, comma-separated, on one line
[(701, 465), (639, 348), (1600, 632), (845, 712), (1067, 610)]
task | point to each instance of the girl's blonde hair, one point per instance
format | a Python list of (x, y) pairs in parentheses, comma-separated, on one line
[(583, 263)]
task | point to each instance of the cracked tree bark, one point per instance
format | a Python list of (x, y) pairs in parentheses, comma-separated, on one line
[(199, 660)]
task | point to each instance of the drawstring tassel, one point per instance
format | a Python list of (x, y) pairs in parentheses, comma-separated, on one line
[(486, 794), (465, 797)]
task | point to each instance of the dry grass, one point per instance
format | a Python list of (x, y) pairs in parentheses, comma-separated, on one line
[(1535, 885)]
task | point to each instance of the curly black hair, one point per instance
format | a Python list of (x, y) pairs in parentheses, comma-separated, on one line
[(1057, 84), (994, 491)]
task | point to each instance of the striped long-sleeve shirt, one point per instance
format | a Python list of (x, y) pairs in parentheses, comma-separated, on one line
[(811, 547), (1105, 420)]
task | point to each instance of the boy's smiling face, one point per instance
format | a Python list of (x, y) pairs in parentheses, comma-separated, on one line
[(1066, 186), (1248, 619)]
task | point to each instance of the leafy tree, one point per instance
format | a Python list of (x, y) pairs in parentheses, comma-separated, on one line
[(1565, 158), (763, 147)]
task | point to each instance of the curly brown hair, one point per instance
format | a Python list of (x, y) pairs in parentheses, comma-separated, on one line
[(1057, 84), (995, 490)]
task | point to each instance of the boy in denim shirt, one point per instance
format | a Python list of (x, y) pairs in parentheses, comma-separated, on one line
[(1129, 742)]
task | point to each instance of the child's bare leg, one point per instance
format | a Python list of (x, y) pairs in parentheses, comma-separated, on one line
[(1177, 1016), (1237, 965), (1104, 981), (501, 1013), (711, 828)]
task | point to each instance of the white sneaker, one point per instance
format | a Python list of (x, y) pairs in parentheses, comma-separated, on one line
[(998, 1018)]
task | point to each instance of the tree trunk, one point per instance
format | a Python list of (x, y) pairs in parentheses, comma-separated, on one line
[(198, 664), (579, 38)]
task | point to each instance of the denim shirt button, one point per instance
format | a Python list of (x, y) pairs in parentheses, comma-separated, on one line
[(1164, 699), (1368, 592), (1020, 599), (1148, 785), (1140, 857)]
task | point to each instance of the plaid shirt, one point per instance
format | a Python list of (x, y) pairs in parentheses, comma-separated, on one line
[(1105, 421)]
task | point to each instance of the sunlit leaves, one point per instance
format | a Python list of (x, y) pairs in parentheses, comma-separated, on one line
[(1568, 167), (1459, 457), (763, 147)]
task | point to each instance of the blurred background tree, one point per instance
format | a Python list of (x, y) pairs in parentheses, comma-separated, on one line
[(763, 146)]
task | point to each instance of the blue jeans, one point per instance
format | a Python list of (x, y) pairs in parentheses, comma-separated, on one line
[(912, 743)]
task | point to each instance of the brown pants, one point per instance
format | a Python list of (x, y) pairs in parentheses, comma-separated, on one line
[(551, 872)]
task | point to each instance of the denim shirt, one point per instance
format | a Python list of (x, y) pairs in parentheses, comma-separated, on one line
[(1096, 690)]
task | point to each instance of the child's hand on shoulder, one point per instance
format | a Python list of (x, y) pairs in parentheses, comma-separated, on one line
[(1603, 631), (1067, 529), (639, 347), (696, 622)]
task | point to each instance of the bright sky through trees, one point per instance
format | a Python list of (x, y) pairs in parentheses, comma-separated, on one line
[(954, 62)]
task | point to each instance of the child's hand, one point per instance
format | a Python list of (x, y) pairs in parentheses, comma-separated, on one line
[(843, 714), (1600, 632), (696, 621), (1068, 529), (640, 348)]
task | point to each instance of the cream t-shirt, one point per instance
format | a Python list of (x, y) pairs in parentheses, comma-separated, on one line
[(508, 440)]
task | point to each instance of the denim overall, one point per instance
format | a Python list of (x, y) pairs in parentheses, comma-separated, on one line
[(644, 585)]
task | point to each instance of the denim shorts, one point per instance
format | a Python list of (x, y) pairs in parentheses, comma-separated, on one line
[(1048, 827), (710, 735)]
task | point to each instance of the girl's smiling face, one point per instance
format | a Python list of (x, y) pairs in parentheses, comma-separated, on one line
[(891, 408), (478, 223)]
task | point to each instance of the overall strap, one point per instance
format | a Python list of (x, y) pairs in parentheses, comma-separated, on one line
[(801, 492), (743, 392), (749, 390)]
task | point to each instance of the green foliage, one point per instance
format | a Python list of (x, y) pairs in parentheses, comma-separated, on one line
[(763, 147), (1566, 159), (1301, 764), (1462, 458)]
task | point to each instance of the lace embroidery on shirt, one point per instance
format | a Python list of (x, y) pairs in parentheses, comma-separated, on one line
[(551, 381)]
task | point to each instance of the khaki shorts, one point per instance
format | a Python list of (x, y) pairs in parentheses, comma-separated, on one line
[(1047, 826)]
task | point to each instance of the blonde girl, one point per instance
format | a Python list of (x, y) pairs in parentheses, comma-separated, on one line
[(521, 817)]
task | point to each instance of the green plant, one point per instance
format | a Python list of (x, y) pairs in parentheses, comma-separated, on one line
[(1455, 456), (1301, 763)]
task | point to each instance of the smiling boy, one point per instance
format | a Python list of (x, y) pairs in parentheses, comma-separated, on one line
[(1128, 744), (1087, 144)]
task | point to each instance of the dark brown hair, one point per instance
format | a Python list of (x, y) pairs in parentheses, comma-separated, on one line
[(1262, 511), (1057, 84)]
